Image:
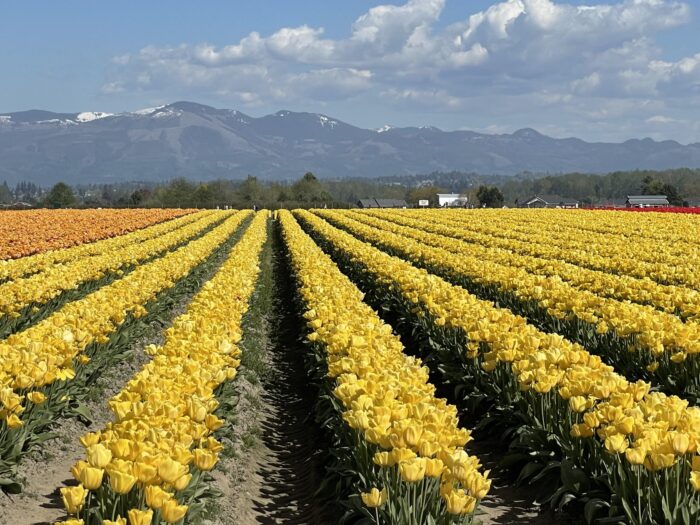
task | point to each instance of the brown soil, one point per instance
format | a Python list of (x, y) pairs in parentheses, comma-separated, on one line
[(274, 462), (510, 504)]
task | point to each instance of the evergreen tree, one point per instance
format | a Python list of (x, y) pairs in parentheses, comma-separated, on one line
[(489, 197), (5, 193), (60, 196)]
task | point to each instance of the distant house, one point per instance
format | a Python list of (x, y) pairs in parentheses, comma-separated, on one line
[(448, 200), (17, 206), (550, 201), (367, 203), (647, 201), (381, 203), (391, 203)]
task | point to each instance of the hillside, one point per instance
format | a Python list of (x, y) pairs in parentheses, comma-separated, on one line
[(201, 142)]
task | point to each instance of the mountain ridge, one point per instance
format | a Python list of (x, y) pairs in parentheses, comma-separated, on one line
[(202, 142)]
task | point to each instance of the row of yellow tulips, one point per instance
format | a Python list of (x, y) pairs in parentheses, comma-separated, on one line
[(32, 360), (15, 268), (639, 430), (136, 247), (410, 440), (543, 259), (676, 230), (147, 463), (641, 254), (658, 333)]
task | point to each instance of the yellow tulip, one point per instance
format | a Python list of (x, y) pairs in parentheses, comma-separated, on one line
[(635, 456), (170, 471), (616, 443), (91, 438), (121, 448), (695, 480), (172, 512), (98, 455), (118, 521), (156, 496), (412, 470), (121, 482), (577, 403), (204, 459), (657, 461), (36, 397), (144, 472), (140, 517), (459, 502), (680, 443), (182, 482), (13, 421), (73, 498), (434, 467), (91, 477), (374, 498), (384, 459)]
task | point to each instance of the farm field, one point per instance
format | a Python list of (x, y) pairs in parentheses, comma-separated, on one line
[(349, 366)]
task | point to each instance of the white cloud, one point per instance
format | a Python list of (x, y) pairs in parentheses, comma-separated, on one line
[(661, 119), (585, 61)]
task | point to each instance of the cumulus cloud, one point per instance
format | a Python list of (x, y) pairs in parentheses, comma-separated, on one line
[(582, 60)]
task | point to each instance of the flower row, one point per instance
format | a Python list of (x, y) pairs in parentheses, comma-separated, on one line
[(24, 233), (15, 268), (32, 360), (408, 442), (38, 288), (147, 464), (545, 259), (662, 249), (601, 420), (659, 337)]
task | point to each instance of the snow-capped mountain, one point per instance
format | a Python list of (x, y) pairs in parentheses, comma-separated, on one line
[(202, 142)]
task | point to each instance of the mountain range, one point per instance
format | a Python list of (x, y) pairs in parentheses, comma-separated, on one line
[(201, 142)]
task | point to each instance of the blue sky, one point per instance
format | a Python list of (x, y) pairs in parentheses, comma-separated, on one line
[(600, 70)]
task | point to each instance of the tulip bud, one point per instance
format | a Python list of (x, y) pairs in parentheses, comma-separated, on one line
[(172, 512), (98, 455), (73, 498), (374, 498), (140, 517)]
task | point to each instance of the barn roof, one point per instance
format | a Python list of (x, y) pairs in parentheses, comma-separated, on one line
[(551, 199), (367, 203), (647, 199), (382, 203), (391, 203)]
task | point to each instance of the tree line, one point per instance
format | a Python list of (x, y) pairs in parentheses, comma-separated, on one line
[(306, 192), (682, 186)]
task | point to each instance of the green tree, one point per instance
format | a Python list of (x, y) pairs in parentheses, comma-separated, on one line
[(309, 189), (177, 194), (489, 197), (250, 190), (138, 197), (203, 197), (651, 186), (5, 193), (60, 196)]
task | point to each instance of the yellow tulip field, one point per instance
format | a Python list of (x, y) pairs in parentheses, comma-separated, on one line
[(440, 356)]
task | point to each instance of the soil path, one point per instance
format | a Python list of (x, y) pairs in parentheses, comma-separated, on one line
[(508, 504), (279, 463)]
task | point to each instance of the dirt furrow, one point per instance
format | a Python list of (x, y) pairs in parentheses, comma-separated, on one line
[(278, 460)]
